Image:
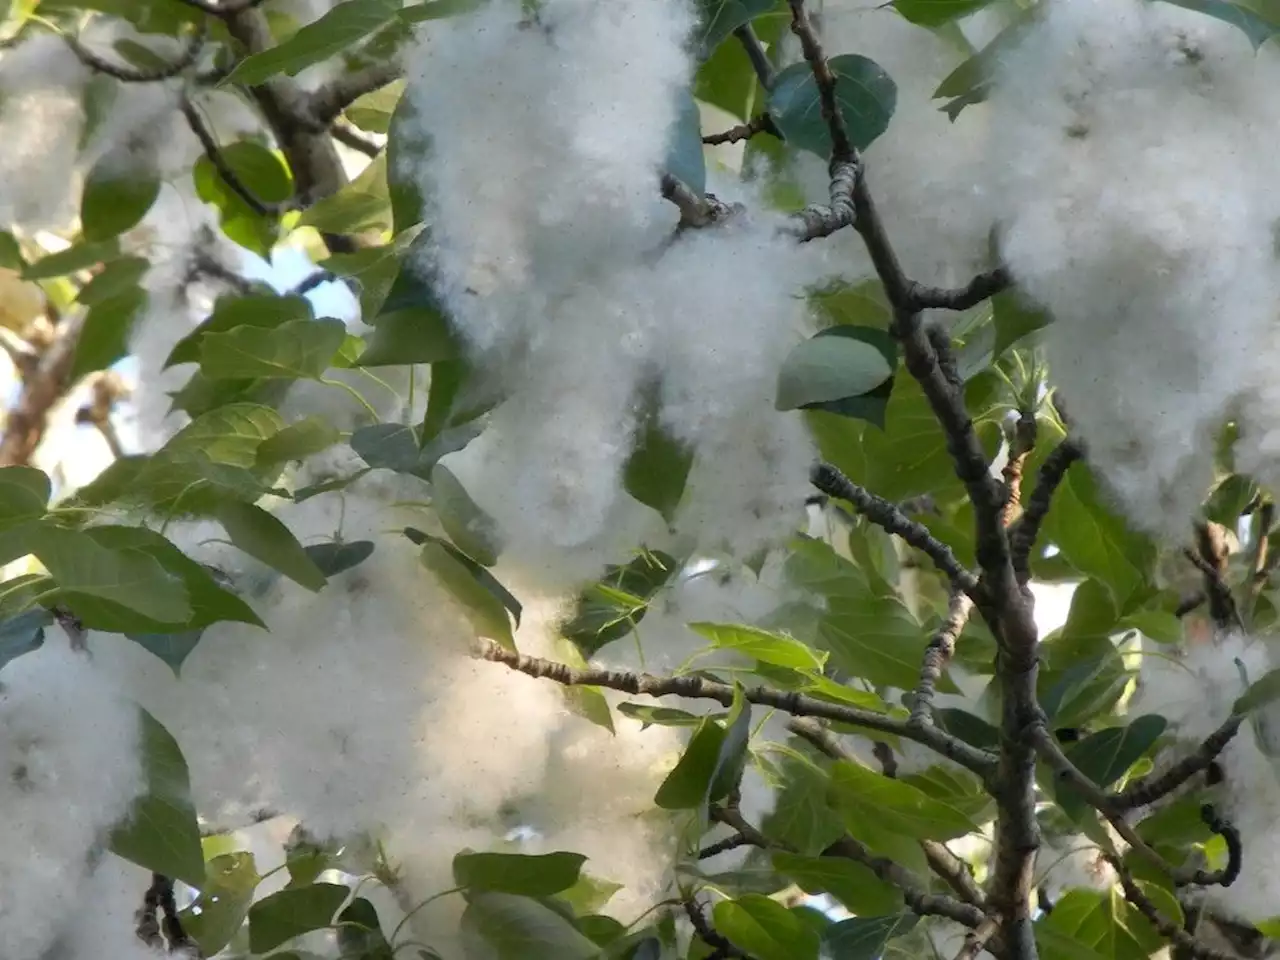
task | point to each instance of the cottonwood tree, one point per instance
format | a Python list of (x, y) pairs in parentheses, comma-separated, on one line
[(649, 571)]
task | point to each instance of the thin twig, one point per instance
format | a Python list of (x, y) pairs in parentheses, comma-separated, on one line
[(1053, 471), (982, 287), (743, 131), (126, 73), (214, 153), (732, 842), (1257, 582), (841, 147), (975, 941), (937, 655), (707, 933), (816, 221), (755, 51), (1021, 444), (698, 688), (1211, 558), (349, 136), (335, 96), (884, 514), (1150, 789), (1167, 928)]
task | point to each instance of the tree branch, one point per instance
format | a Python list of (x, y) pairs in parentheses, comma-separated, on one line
[(130, 74), (1211, 558), (1150, 789), (332, 98), (938, 654), (1021, 444), (349, 136), (1053, 471), (697, 688), (1167, 928), (214, 153), (841, 147), (743, 131), (816, 221), (982, 287), (44, 383), (754, 49), (884, 514)]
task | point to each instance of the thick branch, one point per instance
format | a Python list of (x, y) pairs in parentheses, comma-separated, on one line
[(884, 514), (754, 49), (980, 288), (335, 96), (816, 221), (1021, 444), (696, 688)]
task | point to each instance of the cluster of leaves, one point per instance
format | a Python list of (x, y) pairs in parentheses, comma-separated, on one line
[(861, 637)]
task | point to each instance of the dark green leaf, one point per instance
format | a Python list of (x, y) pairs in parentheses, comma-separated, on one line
[(461, 576), (866, 798), (300, 349), (853, 884), (648, 715), (360, 933), (412, 328), (765, 928), (1014, 320), (687, 785), (218, 913), (802, 818), (610, 609), (250, 310), (297, 442), (161, 832), (114, 279), (264, 537), (172, 648), (1105, 756), (658, 469), (970, 82), (104, 338), (685, 161), (388, 446), (719, 18), (836, 364), (519, 928), (263, 174), (292, 912), (934, 13), (363, 204), (529, 876), (24, 494), (864, 92), (1263, 691), (581, 700), (344, 25), (468, 526), (1259, 19), (777, 649), (865, 937), (22, 633), (334, 558), (115, 201), (75, 258), (10, 252)]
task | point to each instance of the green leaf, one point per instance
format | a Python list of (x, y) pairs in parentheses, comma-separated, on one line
[(726, 80), (1259, 19), (372, 112), (218, 913), (1082, 677), (114, 279), (22, 633), (777, 649), (460, 575), (172, 648), (1105, 756), (853, 884), (650, 715), (360, 933), (473, 530), (161, 833), (583, 701), (334, 558), (610, 609), (869, 800), (24, 494), (260, 171), (297, 442), (363, 204), (865, 95), (518, 928), (719, 18), (1262, 692), (292, 912), (114, 201), (685, 160), (413, 326), (104, 338), (658, 469), (835, 364), (1014, 319), (250, 310), (865, 937), (264, 537), (78, 257), (345, 24), (970, 82), (297, 350), (802, 818), (1086, 924), (529, 876), (687, 785), (10, 252), (765, 929), (934, 13)]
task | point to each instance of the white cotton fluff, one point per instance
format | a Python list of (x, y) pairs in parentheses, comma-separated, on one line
[(103, 922), (69, 770), (925, 170), (1073, 862), (1129, 161)]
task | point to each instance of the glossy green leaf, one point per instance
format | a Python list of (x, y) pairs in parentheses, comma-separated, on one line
[(520, 928), (249, 310), (482, 604), (764, 928), (260, 171), (1088, 924), (833, 365), (777, 649), (264, 537), (719, 18), (114, 201), (610, 609), (866, 798), (1105, 756), (360, 934), (297, 350), (412, 328), (161, 833), (658, 469), (172, 648), (345, 24), (687, 785), (363, 204), (802, 817), (219, 911), (934, 13), (292, 912), (529, 876), (649, 715), (104, 338), (468, 526), (865, 94), (855, 885)]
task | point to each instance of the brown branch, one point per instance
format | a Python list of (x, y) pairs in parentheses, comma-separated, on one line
[(841, 147), (695, 211), (332, 98), (697, 688), (755, 52), (1167, 928), (44, 384), (976, 940), (816, 221), (882, 513), (1021, 444), (228, 175), (130, 74), (1150, 789), (982, 287), (1211, 558), (1049, 751), (1053, 471), (732, 842), (707, 933), (937, 655), (349, 136), (743, 131)]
